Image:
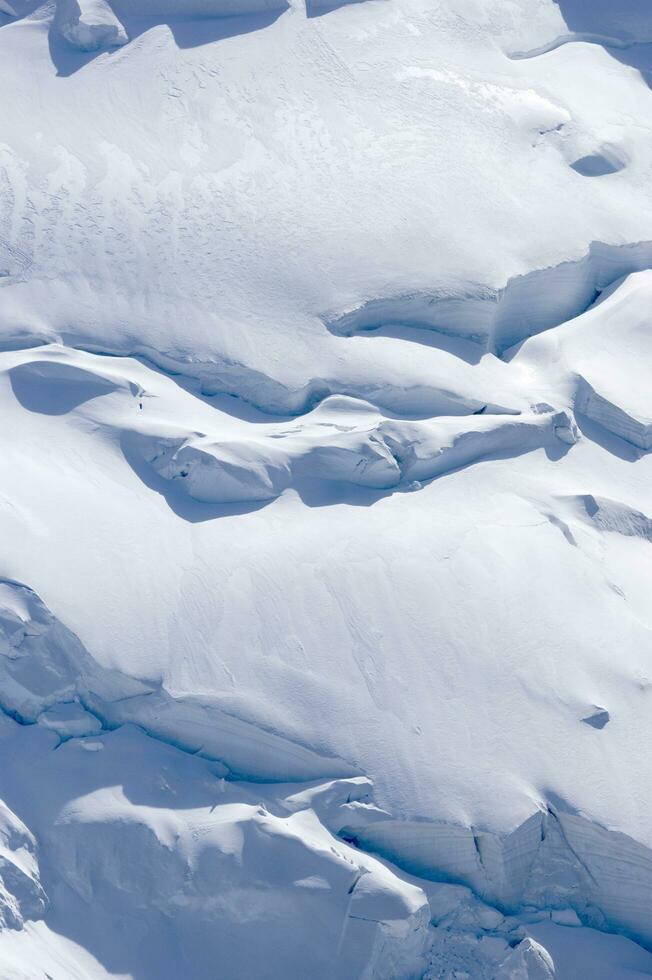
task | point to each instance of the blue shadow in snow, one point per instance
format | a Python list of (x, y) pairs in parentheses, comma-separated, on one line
[(188, 32), (319, 9), (49, 388), (607, 440), (193, 511), (622, 20)]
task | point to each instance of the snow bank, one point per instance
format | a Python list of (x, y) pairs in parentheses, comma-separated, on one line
[(382, 457)]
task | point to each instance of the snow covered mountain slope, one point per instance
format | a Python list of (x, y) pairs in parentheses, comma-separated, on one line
[(326, 400)]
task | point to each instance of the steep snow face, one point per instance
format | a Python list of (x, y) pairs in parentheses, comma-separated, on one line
[(326, 417)]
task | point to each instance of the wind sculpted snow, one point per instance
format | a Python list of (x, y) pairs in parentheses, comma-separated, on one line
[(325, 489)]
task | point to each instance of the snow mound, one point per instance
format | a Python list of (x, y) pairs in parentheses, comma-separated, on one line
[(89, 24), (379, 458)]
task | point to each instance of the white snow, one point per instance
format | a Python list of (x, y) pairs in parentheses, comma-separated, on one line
[(89, 24), (326, 410)]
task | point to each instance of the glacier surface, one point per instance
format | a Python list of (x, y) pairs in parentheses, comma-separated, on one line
[(326, 400)]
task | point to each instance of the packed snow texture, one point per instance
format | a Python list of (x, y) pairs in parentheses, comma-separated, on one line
[(326, 397)]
